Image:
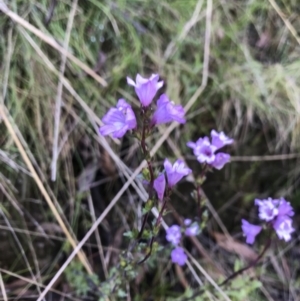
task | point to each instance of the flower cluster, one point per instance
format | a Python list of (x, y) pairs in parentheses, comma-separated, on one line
[(117, 121), (174, 174), (174, 235), (205, 150), (275, 213)]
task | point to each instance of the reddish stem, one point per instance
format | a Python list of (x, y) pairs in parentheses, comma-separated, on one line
[(150, 191), (156, 225)]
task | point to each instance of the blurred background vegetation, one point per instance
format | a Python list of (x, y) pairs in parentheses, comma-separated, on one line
[(252, 93)]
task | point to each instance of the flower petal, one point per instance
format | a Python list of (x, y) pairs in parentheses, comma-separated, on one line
[(130, 82), (250, 231), (160, 185), (178, 256)]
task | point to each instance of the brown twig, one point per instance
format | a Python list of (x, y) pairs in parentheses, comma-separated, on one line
[(252, 264)]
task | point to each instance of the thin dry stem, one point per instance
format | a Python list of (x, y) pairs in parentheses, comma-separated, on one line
[(97, 234), (187, 27), (11, 199), (264, 158), (10, 47), (211, 281), (59, 91), (3, 290), (287, 23)]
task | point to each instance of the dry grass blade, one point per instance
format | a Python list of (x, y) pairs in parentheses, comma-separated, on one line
[(21, 249), (206, 57), (59, 92), (39, 183), (3, 290), (97, 234), (264, 158), (211, 281), (285, 20), (91, 114), (32, 282), (3, 6), (234, 246), (50, 41), (7, 65), (187, 27), (194, 273)]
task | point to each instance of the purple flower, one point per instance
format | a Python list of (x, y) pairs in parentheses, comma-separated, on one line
[(117, 121), (283, 227), (220, 160), (193, 230), (187, 221), (220, 139), (203, 150), (196, 145), (160, 185), (167, 111), (285, 208), (176, 172), (178, 256), (173, 234), (267, 209), (276, 212), (145, 88), (250, 231)]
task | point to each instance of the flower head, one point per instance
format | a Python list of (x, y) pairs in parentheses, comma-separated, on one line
[(203, 150), (220, 139), (193, 230), (285, 208), (174, 234), (145, 88), (267, 209), (178, 256), (117, 121), (220, 160), (250, 231), (167, 111), (275, 212), (159, 185), (283, 227), (176, 172)]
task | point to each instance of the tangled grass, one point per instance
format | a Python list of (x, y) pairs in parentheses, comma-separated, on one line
[(60, 73)]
